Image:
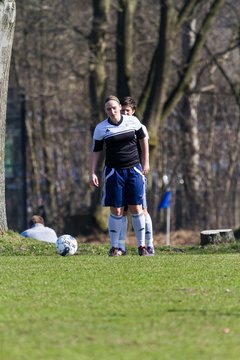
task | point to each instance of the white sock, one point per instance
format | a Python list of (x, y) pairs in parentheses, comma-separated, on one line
[(148, 230), (123, 234), (138, 222), (114, 228)]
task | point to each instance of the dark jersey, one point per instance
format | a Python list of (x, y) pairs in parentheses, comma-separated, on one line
[(120, 141)]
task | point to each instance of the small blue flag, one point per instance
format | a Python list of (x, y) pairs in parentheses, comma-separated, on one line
[(165, 201)]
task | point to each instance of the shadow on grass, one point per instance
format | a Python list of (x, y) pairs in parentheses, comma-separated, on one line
[(202, 312)]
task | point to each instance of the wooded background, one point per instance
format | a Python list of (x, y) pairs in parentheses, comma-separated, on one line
[(178, 59)]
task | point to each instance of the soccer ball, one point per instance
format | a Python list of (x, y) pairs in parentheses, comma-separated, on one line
[(66, 245)]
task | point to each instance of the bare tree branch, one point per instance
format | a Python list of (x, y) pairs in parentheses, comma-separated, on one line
[(177, 92)]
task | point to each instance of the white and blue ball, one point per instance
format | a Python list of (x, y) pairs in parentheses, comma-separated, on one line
[(66, 245)]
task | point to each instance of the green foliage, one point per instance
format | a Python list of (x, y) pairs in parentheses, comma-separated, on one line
[(11, 243), (181, 304)]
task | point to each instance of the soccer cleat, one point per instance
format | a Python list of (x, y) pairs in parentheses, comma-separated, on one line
[(150, 251), (113, 251), (142, 251), (121, 252)]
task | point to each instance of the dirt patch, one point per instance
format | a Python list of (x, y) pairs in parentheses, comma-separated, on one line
[(181, 237)]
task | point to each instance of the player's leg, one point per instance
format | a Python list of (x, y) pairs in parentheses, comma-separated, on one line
[(149, 233), (114, 228), (113, 197), (123, 233), (134, 195), (138, 222)]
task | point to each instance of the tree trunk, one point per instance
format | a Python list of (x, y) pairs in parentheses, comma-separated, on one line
[(219, 236), (188, 121), (98, 80), (7, 25), (98, 76), (125, 44), (158, 77)]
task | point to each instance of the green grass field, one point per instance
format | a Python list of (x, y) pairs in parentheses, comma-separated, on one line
[(176, 305)]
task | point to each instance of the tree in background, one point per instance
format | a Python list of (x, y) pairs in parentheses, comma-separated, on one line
[(162, 92), (7, 24), (69, 55)]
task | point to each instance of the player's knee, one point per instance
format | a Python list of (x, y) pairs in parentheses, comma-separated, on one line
[(145, 211), (135, 209), (116, 211)]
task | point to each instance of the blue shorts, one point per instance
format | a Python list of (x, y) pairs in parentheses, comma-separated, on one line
[(123, 186), (144, 203)]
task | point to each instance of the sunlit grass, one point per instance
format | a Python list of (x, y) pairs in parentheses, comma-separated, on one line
[(176, 305)]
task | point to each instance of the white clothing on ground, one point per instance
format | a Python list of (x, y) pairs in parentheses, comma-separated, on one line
[(41, 232)]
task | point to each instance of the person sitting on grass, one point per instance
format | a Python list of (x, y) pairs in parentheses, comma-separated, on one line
[(37, 230)]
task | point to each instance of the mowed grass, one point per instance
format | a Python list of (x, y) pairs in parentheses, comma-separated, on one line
[(176, 305)]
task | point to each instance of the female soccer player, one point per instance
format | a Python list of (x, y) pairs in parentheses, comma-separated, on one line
[(124, 172)]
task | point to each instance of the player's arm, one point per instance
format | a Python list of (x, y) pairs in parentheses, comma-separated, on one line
[(97, 149), (142, 136), (93, 166), (145, 155)]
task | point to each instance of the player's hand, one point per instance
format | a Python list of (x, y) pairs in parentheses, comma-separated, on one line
[(94, 180), (145, 168), (145, 171)]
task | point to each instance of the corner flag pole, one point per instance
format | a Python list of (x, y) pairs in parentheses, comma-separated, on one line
[(168, 226), (165, 204)]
